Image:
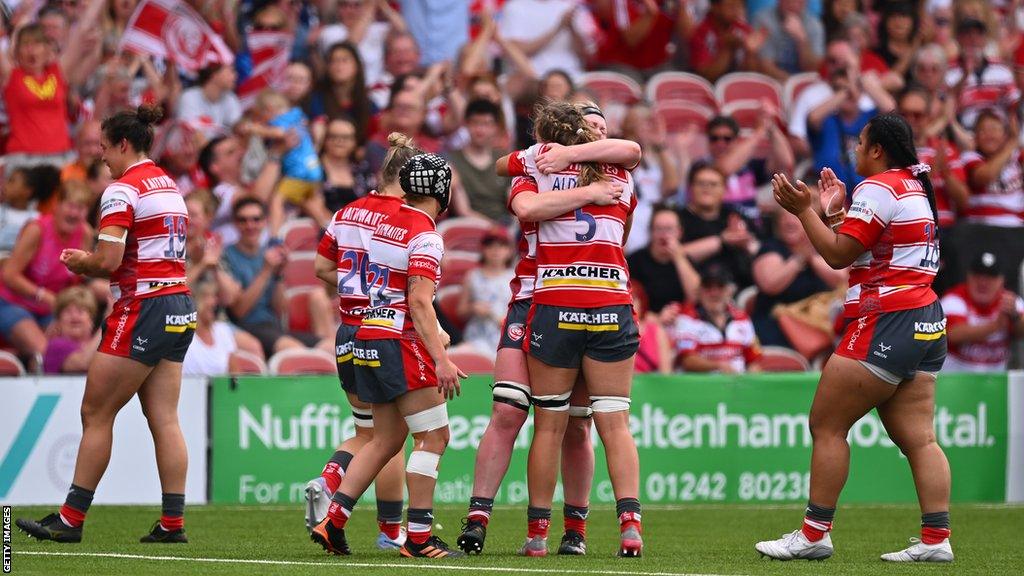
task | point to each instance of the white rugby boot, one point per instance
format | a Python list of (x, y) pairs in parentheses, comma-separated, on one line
[(317, 502), (796, 546), (920, 552)]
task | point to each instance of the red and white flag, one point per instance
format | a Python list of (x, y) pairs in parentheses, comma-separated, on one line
[(270, 52), (172, 30)]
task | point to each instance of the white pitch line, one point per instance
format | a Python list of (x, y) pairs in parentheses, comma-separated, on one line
[(343, 564)]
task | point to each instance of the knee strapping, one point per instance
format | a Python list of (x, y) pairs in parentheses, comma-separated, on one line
[(605, 404), (580, 411), (427, 420), (553, 402), (423, 463), (363, 417), (513, 394)]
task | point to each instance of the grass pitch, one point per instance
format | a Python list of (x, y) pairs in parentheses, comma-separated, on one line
[(690, 540)]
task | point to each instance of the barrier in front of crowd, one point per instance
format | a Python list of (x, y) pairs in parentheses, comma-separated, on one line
[(700, 438)]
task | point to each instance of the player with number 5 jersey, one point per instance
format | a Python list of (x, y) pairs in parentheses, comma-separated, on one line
[(141, 249)]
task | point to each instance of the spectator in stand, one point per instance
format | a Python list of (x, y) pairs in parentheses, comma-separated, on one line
[(937, 28), (215, 340), (73, 335), (656, 178), (213, 98), (786, 270), (982, 319), (994, 216), (725, 43), (115, 20), (401, 58), (734, 157), (977, 81), (204, 249), (835, 125), (795, 42), (87, 152), (898, 35), (948, 178), (714, 233), (927, 71), (486, 293), (297, 85), (713, 335), (16, 210), (405, 113), (662, 266), (836, 12), (654, 355), (347, 174), (33, 275), (636, 33), (857, 29), (556, 85), (341, 92), (258, 268), (440, 27), (221, 162), (473, 165), (55, 26), (359, 24), (563, 39)]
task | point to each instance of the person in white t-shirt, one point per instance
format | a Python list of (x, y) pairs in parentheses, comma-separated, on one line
[(554, 34), (358, 23), (215, 340), (213, 98)]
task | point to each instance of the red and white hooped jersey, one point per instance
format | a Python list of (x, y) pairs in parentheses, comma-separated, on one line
[(405, 245), (926, 155), (146, 201), (989, 355), (891, 217), (695, 333), (580, 261), (526, 268), (347, 241), (991, 86), (1001, 203)]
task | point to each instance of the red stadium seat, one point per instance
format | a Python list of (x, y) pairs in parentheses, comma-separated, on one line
[(795, 85), (679, 115), (10, 365), (296, 361), (809, 340), (456, 265), (300, 270), (296, 310), (246, 363), (681, 87), (448, 301), (738, 86), (300, 234), (471, 361), (463, 233), (782, 359), (612, 87), (746, 113)]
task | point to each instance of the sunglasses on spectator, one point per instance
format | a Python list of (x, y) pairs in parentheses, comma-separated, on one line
[(721, 138), (248, 219)]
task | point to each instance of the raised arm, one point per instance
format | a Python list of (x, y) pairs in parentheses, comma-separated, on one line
[(83, 51), (530, 206), (556, 157)]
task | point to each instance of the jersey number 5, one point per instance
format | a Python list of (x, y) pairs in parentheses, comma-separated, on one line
[(582, 216), (177, 231)]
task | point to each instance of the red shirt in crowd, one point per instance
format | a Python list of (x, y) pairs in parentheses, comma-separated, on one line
[(736, 344), (38, 111), (989, 355), (926, 154), (612, 48), (707, 41)]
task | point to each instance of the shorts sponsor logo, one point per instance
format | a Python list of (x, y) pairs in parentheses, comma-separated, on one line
[(515, 331), (421, 365), (119, 330), (180, 322), (140, 344), (592, 276), (535, 339), (344, 352), (929, 330), (602, 322), (882, 349), (862, 322), (366, 357)]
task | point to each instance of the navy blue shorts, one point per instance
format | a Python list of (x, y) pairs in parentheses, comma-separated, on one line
[(899, 343)]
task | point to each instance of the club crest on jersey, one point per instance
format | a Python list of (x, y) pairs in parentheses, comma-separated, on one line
[(516, 331)]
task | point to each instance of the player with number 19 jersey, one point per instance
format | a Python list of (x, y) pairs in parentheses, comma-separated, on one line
[(153, 317)]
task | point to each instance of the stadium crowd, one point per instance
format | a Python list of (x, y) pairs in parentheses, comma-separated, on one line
[(720, 94)]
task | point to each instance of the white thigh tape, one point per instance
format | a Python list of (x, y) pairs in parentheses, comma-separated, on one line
[(423, 463), (554, 402), (604, 404), (363, 417), (581, 411), (427, 420), (512, 393)]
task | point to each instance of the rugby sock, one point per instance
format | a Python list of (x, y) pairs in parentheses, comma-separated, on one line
[(538, 520), (420, 521), (480, 509), (934, 527), (389, 518), (334, 470), (340, 509), (575, 518), (817, 521), (172, 514), (76, 506), (628, 510)]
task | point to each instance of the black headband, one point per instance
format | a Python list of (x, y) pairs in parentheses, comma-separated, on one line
[(588, 110)]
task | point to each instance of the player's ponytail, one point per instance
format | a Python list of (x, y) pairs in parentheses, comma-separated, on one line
[(401, 151), (135, 126), (893, 133), (563, 123)]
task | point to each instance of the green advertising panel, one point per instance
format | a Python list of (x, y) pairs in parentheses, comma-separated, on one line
[(701, 439)]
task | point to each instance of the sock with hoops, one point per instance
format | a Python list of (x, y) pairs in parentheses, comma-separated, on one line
[(334, 470), (172, 515), (76, 506), (480, 509), (538, 520), (420, 522), (817, 521), (575, 518), (934, 527), (628, 510), (340, 509), (389, 518)]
